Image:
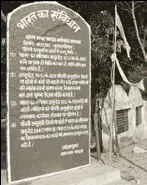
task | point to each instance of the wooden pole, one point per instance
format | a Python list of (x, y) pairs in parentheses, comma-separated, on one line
[(114, 99), (113, 110), (97, 136), (112, 126)]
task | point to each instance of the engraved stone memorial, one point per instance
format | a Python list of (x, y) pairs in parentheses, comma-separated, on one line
[(48, 85)]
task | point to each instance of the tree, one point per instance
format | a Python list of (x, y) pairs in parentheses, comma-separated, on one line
[(102, 25), (130, 8)]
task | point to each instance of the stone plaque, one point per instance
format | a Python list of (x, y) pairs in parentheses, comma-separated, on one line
[(48, 85)]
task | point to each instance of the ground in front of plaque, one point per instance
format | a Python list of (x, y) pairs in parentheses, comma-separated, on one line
[(132, 163), (132, 166), (95, 174)]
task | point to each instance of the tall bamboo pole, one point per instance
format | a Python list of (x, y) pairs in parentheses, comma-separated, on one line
[(114, 98), (113, 120)]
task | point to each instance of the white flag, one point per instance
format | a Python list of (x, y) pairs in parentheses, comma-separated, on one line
[(115, 59), (120, 26)]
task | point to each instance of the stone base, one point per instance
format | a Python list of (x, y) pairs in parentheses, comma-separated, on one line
[(95, 174)]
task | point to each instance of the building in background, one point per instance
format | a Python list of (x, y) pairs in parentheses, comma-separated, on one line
[(131, 114)]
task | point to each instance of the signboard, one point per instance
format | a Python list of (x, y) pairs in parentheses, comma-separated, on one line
[(48, 86)]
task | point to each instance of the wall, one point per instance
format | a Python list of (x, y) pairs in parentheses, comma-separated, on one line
[(122, 101), (145, 119), (136, 101)]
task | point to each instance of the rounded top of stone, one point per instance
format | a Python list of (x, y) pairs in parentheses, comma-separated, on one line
[(51, 3)]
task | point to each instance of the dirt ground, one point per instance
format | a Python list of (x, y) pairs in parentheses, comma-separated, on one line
[(132, 165)]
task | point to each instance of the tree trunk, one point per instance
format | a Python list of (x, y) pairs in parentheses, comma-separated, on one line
[(137, 32)]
